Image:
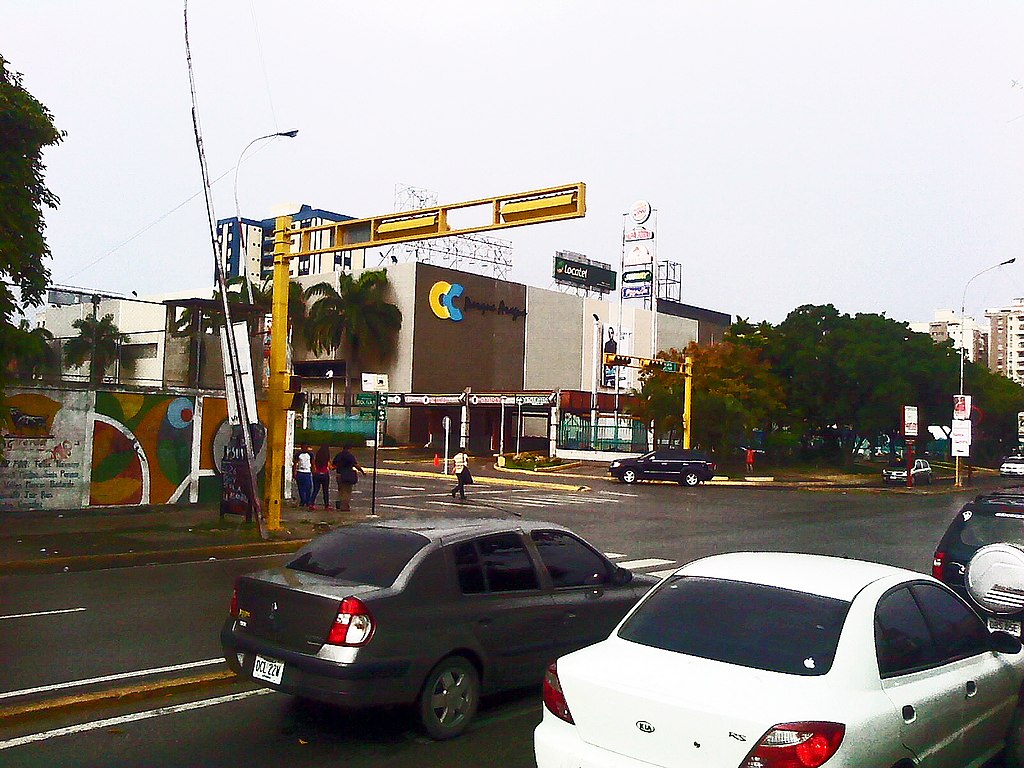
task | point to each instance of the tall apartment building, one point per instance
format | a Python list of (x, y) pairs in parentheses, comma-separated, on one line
[(1006, 345), (248, 244), (946, 326)]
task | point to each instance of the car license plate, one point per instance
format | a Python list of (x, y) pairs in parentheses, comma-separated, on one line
[(1002, 625), (272, 670)]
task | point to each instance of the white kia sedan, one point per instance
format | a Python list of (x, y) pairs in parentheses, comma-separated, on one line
[(776, 660)]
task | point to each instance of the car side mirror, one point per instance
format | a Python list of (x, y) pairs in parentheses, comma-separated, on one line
[(621, 577), (1004, 642)]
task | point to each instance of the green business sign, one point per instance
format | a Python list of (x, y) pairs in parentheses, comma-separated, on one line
[(584, 275)]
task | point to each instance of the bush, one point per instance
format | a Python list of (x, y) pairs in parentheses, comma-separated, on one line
[(531, 460), (314, 437)]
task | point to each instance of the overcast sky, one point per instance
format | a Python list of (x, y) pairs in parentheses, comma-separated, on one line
[(869, 155)]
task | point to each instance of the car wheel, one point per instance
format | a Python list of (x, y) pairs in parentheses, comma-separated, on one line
[(629, 477), (1013, 755), (691, 479), (449, 698)]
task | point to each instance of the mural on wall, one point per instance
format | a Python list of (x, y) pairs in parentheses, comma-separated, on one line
[(45, 449), (141, 448)]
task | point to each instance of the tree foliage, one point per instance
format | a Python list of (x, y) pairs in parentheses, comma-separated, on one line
[(354, 318), (26, 128), (98, 342)]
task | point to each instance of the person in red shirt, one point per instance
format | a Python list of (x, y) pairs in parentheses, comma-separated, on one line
[(321, 475), (750, 460)]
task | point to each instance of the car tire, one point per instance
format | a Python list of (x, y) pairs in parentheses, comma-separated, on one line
[(1013, 754), (691, 479), (629, 477), (449, 698)]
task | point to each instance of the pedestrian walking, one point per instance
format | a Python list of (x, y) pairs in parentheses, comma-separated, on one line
[(321, 475), (303, 472), (345, 467), (750, 460), (463, 477)]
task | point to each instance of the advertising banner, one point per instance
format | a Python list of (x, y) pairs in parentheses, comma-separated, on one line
[(961, 407), (910, 420), (1020, 424), (640, 291), (576, 272)]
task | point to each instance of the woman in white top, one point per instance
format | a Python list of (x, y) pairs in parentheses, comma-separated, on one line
[(461, 465)]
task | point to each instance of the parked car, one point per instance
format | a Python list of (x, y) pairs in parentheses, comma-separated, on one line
[(777, 659), (431, 612), (897, 473), (981, 558), (1012, 466), (685, 467)]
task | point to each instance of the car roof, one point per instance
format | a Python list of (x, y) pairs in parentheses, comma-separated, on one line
[(835, 577), (438, 528)]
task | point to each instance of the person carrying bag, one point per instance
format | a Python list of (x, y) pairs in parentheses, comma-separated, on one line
[(346, 465), (462, 474)]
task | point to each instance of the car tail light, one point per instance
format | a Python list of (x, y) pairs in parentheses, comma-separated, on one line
[(938, 564), (234, 601), (796, 745), (353, 625), (554, 699)]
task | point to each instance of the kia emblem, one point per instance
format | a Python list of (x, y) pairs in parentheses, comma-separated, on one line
[(644, 726)]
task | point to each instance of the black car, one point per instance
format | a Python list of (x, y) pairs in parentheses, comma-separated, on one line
[(981, 557), (684, 466), (431, 612)]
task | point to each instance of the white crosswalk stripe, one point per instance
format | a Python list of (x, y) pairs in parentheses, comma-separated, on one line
[(648, 562), (614, 555), (662, 574)]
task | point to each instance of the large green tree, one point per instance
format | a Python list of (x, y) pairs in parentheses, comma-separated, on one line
[(98, 342), (26, 129), (354, 318)]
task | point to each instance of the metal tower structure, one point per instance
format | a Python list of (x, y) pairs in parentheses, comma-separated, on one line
[(478, 253)]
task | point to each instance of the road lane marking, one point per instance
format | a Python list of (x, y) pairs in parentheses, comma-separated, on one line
[(409, 488), (619, 493), (400, 506), (614, 555), (109, 678), (645, 563), (41, 613), (114, 721)]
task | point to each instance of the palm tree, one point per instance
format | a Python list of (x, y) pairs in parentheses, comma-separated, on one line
[(36, 356), (354, 316), (98, 341)]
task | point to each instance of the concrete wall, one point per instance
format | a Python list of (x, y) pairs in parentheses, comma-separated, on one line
[(554, 339)]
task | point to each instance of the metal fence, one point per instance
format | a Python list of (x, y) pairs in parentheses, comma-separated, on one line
[(577, 433)]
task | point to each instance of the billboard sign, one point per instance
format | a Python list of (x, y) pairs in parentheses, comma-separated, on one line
[(961, 407), (637, 276), (910, 420), (583, 274), (640, 211), (641, 291), (639, 233), (961, 432)]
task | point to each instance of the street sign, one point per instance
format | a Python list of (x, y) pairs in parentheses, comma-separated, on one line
[(910, 420), (961, 432), (366, 398), (375, 382)]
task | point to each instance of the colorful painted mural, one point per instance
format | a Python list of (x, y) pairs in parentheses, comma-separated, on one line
[(142, 448)]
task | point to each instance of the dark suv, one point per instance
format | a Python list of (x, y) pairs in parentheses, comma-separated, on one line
[(981, 557), (684, 466)]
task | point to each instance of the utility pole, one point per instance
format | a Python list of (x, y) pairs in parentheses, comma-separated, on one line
[(687, 394), (280, 379)]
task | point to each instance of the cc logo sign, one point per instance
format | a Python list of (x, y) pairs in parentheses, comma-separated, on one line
[(442, 296)]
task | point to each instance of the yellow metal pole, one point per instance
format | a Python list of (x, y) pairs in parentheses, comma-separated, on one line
[(687, 392), (279, 375)]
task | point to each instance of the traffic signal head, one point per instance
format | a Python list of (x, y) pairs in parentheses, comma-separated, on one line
[(651, 366), (610, 358)]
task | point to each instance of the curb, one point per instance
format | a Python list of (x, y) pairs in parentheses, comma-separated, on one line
[(133, 692), (487, 480), (166, 556)]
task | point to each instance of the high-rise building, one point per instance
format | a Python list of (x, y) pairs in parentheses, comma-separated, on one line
[(1006, 344), (946, 326), (247, 245)]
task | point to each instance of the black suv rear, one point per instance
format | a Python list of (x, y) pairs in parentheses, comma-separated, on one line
[(981, 557)]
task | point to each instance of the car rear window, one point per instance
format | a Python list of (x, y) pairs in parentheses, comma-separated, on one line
[(360, 555), (980, 530), (752, 625)]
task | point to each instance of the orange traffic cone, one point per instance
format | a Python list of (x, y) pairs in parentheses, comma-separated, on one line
[(437, 460)]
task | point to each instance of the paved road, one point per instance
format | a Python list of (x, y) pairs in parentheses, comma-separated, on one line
[(146, 617)]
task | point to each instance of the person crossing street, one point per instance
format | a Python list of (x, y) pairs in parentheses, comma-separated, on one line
[(463, 477)]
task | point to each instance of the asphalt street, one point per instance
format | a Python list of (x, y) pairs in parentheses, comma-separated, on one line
[(60, 629)]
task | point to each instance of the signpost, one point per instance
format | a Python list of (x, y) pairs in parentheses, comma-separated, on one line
[(446, 422), (910, 423)]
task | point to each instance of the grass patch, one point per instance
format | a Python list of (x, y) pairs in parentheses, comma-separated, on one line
[(531, 460)]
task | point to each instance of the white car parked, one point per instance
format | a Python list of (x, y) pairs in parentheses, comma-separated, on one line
[(776, 660), (1012, 466)]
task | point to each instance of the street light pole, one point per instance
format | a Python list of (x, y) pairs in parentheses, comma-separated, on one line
[(963, 311), (243, 269), (593, 383)]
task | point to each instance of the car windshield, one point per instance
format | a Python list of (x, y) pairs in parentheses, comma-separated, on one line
[(752, 625), (360, 555), (989, 529)]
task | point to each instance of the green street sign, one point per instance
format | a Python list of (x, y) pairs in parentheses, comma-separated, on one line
[(671, 367), (366, 398)]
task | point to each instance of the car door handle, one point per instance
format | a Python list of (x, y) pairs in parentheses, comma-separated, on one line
[(485, 621), (909, 714), (972, 688)]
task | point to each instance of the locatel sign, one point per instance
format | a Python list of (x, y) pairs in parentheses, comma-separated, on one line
[(582, 274)]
